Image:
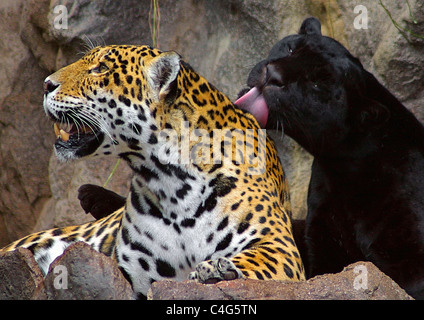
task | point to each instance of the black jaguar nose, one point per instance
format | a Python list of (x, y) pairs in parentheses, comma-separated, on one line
[(274, 75), (49, 86)]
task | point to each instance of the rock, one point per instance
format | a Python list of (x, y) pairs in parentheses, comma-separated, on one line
[(359, 281), (64, 209), (82, 273), (389, 58), (19, 275), (24, 152)]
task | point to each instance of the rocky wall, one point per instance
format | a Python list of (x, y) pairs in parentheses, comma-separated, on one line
[(82, 273)]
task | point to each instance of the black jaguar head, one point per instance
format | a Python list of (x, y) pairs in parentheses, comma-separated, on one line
[(312, 86)]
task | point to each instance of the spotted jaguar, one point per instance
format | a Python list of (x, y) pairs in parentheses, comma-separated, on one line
[(208, 199)]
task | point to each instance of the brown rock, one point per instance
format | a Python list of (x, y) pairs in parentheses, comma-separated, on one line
[(23, 152), (82, 273), (19, 275), (359, 281), (64, 208)]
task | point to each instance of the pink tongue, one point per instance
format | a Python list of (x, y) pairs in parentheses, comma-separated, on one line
[(254, 102)]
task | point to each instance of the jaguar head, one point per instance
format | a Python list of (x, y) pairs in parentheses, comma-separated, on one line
[(311, 86), (106, 102)]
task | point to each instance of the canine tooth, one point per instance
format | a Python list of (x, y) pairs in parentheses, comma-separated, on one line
[(56, 130), (64, 135)]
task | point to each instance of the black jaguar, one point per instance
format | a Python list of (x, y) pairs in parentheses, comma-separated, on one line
[(366, 194)]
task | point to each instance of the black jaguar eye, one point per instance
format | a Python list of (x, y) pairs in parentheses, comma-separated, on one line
[(101, 68)]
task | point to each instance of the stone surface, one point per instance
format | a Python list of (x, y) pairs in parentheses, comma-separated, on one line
[(24, 153), (222, 39), (359, 281), (19, 275), (82, 273), (63, 208)]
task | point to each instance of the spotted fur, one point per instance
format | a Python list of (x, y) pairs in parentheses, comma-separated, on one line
[(233, 215)]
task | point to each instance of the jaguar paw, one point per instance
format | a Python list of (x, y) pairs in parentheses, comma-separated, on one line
[(213, 271), (99, 201)]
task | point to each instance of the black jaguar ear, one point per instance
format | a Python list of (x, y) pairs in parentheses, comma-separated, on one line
[(311, 26), (372, 115), (162, 75), (373, 103)]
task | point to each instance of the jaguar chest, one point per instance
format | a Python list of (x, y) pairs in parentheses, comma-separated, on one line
[(176, 221)]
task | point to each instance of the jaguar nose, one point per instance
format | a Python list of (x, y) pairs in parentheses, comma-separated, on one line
[(49, 86), (274, 75)]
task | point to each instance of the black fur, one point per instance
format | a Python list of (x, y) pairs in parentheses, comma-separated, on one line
[(366, 194), (98, 201)]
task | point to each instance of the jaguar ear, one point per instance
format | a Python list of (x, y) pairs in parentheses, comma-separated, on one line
[(374, 114), (311, 26), (370, 115), (162, 75), (372, 109)]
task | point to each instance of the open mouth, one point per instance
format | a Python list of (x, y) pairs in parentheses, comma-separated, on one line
[(65, 131), (77, 139)]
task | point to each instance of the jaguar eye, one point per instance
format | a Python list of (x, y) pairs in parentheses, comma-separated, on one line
[(101, 68)]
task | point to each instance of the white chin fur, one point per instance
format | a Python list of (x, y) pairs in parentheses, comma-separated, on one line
[(65, 156)]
